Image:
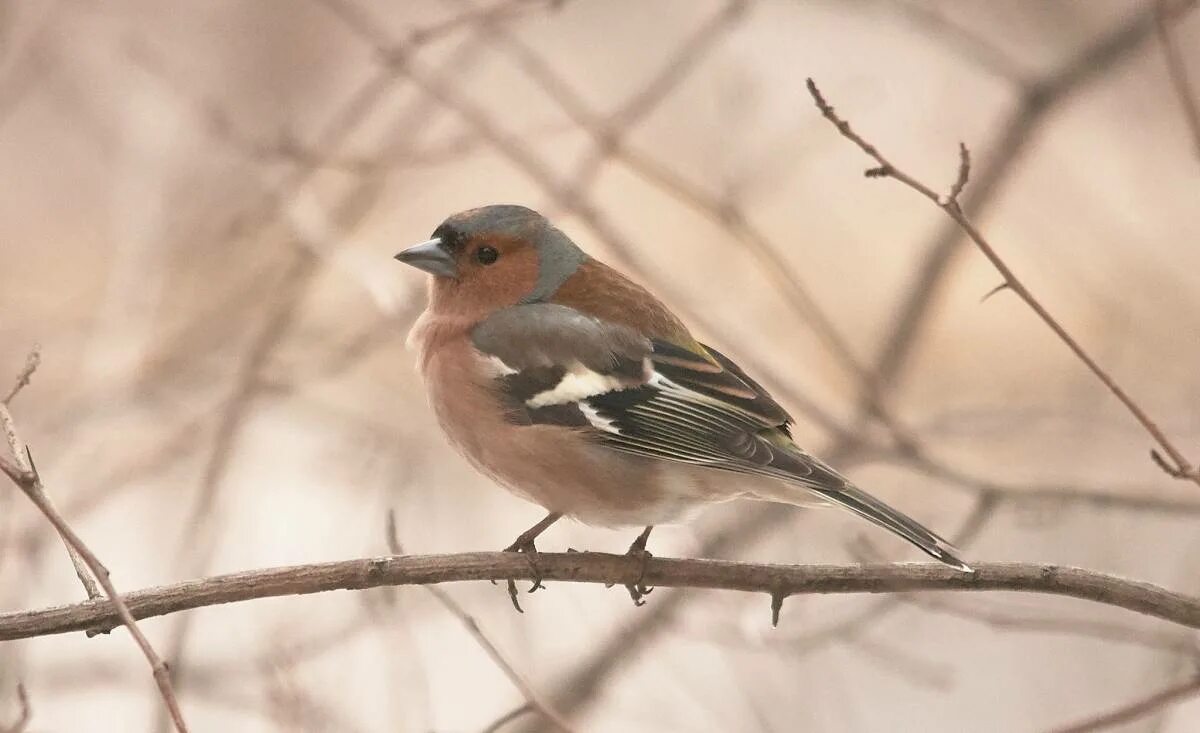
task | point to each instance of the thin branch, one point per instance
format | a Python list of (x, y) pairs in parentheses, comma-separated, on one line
[(31, 364), (1180, 467), (1177, 69), (31, 484), (590, 567), (1036, 106), (1137, 709), (532, 699), (24, 475)]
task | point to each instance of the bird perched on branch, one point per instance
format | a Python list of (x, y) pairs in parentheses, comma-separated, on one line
[(575, 388)]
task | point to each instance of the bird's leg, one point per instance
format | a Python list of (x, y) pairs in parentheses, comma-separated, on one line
[(638, 550), (524, 544)]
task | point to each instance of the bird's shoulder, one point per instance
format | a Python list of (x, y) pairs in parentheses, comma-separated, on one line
[(604, 293)]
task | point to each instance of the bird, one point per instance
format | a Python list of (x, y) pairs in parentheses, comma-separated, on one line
[(575, 388)]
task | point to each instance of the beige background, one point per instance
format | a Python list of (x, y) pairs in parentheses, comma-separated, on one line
[(198, 206)]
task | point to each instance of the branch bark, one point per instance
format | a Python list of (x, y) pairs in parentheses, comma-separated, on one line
[(778, 581)]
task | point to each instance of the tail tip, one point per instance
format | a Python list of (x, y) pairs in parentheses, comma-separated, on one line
[(949, 555)]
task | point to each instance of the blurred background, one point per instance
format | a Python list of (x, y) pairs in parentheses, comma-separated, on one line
[(198, 207)]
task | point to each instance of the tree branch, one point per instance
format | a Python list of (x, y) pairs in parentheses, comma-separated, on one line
[(1179, 466), (779, 581), (32, 362)]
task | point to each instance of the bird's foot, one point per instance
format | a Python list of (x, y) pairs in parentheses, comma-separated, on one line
[(526, 547), (637, 589)]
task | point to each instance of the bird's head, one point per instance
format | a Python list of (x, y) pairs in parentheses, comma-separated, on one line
[(492, 257)]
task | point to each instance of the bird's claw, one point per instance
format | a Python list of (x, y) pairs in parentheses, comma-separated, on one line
[(637, 589), (529, 550)]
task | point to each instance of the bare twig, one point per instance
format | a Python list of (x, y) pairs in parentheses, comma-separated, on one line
[(532, 699), (31, 364), (1137, 709), (1037, 103), (1177, 69), (25, 714), (24, 474), (1179, 467), (31, 484), (603, 568)]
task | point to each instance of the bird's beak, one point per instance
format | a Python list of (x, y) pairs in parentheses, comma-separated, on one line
[(431, 257)]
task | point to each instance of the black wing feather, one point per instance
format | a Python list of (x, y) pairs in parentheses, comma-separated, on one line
[(718, 378)]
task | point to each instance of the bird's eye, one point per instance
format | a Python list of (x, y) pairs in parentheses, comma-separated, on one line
[(486, 255)]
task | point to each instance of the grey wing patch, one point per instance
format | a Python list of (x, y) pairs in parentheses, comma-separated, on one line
[(549, 358), (548, 334), (558, 366)]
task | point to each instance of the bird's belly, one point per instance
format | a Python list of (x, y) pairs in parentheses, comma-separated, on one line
[(561, 469)]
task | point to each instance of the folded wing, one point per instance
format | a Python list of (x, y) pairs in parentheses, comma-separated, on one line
[(555, 365)]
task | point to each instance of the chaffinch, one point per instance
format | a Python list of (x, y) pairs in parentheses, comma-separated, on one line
[(575, 388)]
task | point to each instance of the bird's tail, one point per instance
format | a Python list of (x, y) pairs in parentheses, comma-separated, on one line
[(800, 469), (863, 504)]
